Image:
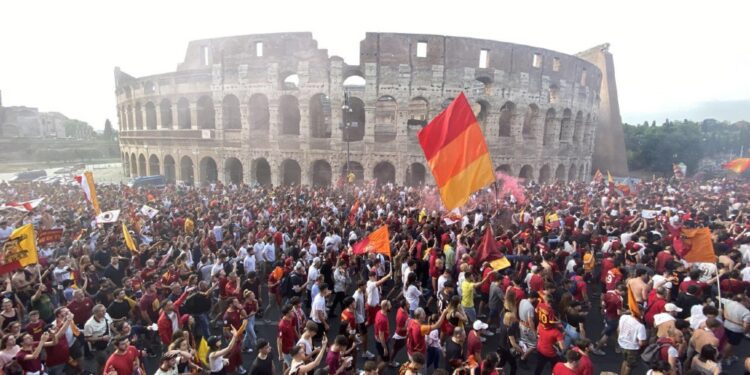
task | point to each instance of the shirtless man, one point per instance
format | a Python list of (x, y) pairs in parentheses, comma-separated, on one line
[(639, 286)]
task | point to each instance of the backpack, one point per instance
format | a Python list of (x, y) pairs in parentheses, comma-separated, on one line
[(652, 353), (285, 287)]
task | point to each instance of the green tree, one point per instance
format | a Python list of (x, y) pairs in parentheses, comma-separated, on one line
[(109, 133)]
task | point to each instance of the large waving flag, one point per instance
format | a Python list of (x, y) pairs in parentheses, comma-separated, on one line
[(129, 239), (89, 189), (488, 251), (19, 250), (377, 242), (27, 206), (697, 246), (456, 153), (598, 177), (738, 165)]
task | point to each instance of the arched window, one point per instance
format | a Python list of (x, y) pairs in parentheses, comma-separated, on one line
[(183, 114), (385, 119), (530, 122), (258, 112), (206, 113), (150, 116), (138, 116), (354, 120), (230, 112), (549, 127), (289, 115), (320, 116), (165, 111), (507, 112)]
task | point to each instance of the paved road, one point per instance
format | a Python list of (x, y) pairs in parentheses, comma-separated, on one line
[(610, 362)]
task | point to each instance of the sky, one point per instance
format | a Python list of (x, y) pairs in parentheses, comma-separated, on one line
[(673, 59)]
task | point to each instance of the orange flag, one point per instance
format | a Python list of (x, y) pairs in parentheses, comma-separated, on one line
[(598, 176), (697, 245), (635, 310), (457, 153), (377, 242), (738, 165)]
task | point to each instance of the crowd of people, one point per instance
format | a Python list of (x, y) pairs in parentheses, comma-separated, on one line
[(218, 261)]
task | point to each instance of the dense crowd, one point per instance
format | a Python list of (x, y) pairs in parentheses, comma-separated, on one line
[(218, 260)]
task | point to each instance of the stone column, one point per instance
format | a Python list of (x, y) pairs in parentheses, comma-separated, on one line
[(194, 116)]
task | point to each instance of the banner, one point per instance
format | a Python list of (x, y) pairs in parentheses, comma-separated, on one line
[(19, 250), (27, 206), (149, 211), (376, 242), (48, 236), (89, 189), (128, 239), (108, 217)]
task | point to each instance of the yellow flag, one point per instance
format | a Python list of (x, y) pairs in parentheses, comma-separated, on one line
[(128, 240), (609, 178), (202, 353), (500, 264), (19, 250)]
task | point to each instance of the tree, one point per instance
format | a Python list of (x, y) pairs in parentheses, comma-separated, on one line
[(109, 133)]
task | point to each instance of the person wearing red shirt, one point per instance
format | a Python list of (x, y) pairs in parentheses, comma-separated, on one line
[(28, 356), (81, 307), (169, 314), (570, 366), (287, 336), (474, 340), (585, 366), (251, 308), (614, 276), (416, 331), (612, 306), (124, 360), (382, 331), (656, 307), (545, 347), (488, 276), (607, 264), (399, 337), (148, 305), (536, 282), (233, 318), (662, 258), (348, 324), (545, 314)]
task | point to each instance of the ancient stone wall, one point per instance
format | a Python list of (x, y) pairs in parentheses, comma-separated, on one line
[(274, 108)]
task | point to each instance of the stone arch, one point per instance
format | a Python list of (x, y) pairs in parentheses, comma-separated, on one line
[(549, 127), (565, 125), (124, 118), (187, 170), (560, 173), (230, 112), (572, 173), (261, 172), (354, 120), (544, 174), (507, 113), (291, 173), (289, 116), (150, 116), (289, 81), (482, 86), (415, 174), (258, 114), (386, 110), (129, 114), (320, 116), (527, 172), (505, 168), (321, 173), (419, 112), (355, 168), (208, 170), (588, 131), (165, 112), (206, 113), (183, 114), (169, 169), (530, 122), (233, 171), (384, 172), (578, 128), (133, 165), (125, 164), (354, 79), (149, 87), (154, 167), (581, 173), (142, 165), (138, 116)]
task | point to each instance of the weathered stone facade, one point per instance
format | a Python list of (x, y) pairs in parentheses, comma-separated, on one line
[(269, 108)]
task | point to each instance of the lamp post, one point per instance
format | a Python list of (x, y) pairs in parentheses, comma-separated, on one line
[(346, 126)]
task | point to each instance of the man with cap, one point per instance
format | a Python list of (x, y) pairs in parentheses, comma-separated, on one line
[(665, 321), (168, 364), (474, 340)]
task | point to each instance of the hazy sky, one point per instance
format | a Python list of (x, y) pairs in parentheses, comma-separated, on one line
[(670, 56)]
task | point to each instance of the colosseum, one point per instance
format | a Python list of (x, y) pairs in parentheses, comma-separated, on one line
[(276, 109)]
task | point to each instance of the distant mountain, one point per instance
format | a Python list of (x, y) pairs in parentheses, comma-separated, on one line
[(728, 110)]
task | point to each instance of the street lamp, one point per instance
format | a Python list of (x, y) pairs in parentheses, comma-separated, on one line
[(346, 109)]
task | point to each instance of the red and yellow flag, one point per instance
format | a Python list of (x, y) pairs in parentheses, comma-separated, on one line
[(598, 176), (697, 245), (456, 153), (635, 310), (19, 250), (738, 165), (377, 242)]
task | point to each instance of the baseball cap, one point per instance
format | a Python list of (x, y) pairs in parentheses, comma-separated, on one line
[(671, 307), (479, 325)]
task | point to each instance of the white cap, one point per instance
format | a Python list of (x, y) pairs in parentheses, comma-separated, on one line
[(671, 307), (479, 325)]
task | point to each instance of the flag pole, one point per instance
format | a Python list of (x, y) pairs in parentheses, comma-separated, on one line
[(718, 288)]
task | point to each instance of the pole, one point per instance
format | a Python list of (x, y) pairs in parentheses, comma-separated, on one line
[(718, 288)]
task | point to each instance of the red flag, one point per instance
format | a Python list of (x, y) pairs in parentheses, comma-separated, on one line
[(377, 242), (738, 165), (488, 250)]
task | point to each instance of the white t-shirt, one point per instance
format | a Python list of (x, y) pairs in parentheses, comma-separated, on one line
[(359, 306), (412, 295), (249, 264), (373, 293), (307, 344), (318, 305), (745, 274), (632, 332), (312, 276)]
